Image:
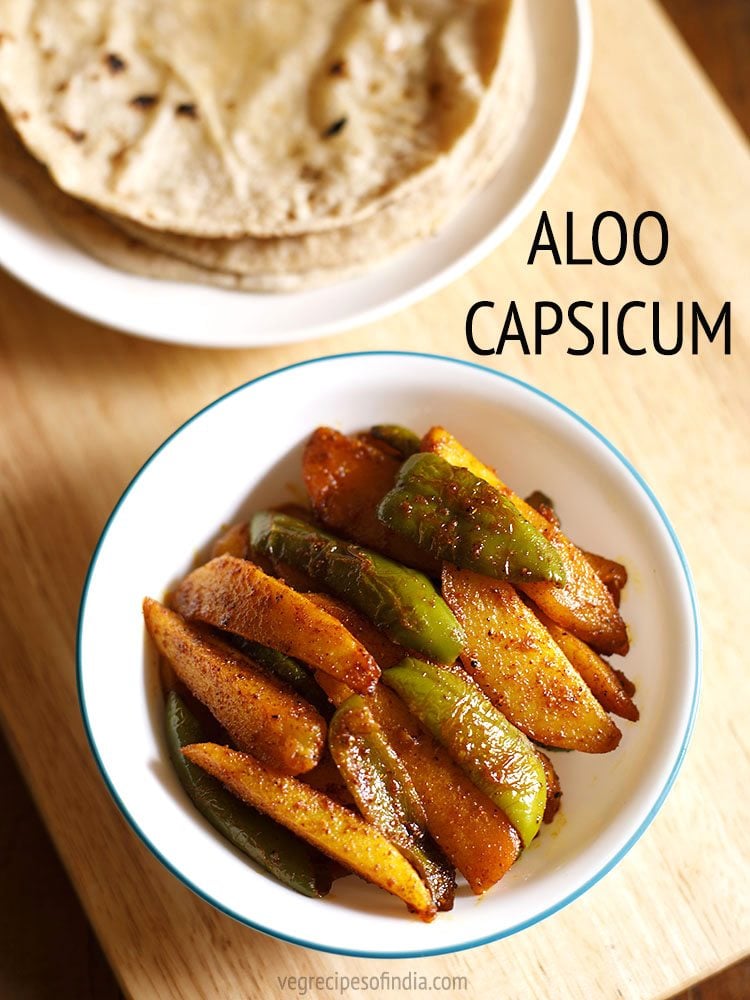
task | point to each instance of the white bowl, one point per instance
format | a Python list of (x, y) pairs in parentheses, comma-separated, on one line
[(242, 452)]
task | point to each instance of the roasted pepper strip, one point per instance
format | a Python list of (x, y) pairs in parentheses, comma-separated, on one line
[(385, 794), (472, 832), (401, 601), (514, 660), (583, 606), (459, 518), (236, 595), (261, 715), (401, 439), (328, 826), (274, 848), (497, 757)]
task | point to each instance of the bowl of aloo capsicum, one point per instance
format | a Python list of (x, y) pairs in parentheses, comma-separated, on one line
[(406, 654)]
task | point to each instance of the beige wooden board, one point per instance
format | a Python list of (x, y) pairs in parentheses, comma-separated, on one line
[(82, 407)]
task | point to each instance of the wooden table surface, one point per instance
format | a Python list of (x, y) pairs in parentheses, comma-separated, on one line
[(83, 407)]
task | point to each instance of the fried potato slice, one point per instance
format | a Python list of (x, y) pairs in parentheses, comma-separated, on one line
[(332, 828), (613, 575), (326, 777), (386, 652), (263, 716), (514, 660), (601, 679), (236, 595), (475, 836), (386, 795), (583, 605), (627, 685), (346, 478), (234, 541), (554, 792)]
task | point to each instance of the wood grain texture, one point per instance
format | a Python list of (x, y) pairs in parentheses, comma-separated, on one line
[(83, 407), (47, 949)]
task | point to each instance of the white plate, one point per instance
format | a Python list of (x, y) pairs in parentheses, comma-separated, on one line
[(233, 458), (195, 314)]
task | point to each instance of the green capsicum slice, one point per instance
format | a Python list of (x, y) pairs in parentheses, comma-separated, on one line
[(459, 518), (497, 757), (401, 439), (403, 602)]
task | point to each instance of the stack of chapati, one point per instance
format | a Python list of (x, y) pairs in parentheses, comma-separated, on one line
[(256, 143)]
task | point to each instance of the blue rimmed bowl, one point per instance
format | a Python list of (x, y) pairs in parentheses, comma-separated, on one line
[(242, 452)]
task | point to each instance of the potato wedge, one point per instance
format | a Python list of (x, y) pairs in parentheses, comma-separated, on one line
[(335, 690), (346, 479), (627, 685), (514, 660), (554, 792), (475, 836), (261, 715), (292, 576), (472, 832), (583, 605), (286, 857), (543, 505), (235, 541), (601, 679), (613, 575), (290, 672), (326, 777), (386, 795), (386, 652), (236, 595), (332, 828)]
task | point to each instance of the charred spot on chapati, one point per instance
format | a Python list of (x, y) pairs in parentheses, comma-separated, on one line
[(114, 63), (335, 127), (144, 101)]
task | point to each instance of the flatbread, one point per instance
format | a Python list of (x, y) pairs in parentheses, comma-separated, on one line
[(83, 226), (246, 117), (109, 243), (398, 223)]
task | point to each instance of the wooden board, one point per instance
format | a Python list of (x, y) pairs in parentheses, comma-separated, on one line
[(83, 407)]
